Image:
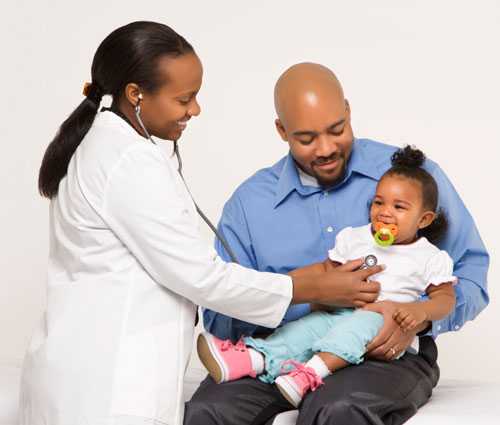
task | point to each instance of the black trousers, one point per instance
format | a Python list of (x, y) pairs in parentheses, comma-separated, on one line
[(373, 392)]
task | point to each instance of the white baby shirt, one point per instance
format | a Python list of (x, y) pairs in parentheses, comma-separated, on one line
[(410, 269)]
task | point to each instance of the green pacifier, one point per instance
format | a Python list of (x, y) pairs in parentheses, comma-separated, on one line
[(385, 234)]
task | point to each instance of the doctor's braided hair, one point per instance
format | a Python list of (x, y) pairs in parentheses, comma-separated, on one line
[(128, 55), (408, 162)]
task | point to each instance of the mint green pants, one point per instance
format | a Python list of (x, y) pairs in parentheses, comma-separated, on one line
[(343, 333)]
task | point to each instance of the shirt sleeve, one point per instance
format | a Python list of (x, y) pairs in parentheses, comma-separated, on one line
[(233, 226), (439, 269), (146, 208), (340, 252), (471, 260)]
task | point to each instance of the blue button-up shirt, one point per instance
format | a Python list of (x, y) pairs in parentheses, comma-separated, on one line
[(274, 223)]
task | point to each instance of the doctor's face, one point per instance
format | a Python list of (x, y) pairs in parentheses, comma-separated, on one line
[(166, 111)]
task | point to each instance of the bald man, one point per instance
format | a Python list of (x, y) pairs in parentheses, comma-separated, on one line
[(286, 217)]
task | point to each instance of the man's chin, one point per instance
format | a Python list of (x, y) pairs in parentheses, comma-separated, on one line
[(329, 180)]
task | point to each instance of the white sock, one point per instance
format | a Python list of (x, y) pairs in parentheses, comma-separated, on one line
[(257, 360), (319, 366)]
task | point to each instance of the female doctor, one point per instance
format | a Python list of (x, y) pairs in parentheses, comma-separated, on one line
[(127, 264)]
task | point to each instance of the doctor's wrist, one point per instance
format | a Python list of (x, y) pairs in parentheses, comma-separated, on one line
[(305, 290)]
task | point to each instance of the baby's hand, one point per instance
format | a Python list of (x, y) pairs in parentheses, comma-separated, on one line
[(409, 316)]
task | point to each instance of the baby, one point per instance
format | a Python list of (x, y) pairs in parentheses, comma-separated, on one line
[(405, 221)]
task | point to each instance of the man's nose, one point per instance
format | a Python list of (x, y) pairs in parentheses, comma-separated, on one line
[(325, 146)]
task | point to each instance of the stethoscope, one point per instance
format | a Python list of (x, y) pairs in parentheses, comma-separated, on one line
[(369, 260), (179, 160)]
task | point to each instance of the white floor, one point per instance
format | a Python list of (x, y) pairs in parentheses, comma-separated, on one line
[(454, 402)]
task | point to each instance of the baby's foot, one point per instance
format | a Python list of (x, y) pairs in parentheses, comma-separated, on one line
[(224, 360), (296, 384)]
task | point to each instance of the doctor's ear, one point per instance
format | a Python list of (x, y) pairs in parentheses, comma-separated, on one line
[(133, 94), (281, 129)]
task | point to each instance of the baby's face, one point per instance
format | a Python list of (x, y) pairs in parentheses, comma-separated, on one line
[(398, 201)]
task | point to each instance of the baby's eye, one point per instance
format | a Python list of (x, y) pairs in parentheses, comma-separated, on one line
[(377, 202), (400, 207)]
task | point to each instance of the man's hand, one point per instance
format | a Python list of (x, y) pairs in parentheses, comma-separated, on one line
[(346, 286), (409, 316), (391, 340)]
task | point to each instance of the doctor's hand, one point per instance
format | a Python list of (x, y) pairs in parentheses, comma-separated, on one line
[(342, 286), (391, 341)]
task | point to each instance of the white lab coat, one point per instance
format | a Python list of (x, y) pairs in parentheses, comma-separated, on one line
[(127, 265)]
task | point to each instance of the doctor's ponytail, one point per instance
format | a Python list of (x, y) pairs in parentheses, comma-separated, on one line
[(129, 54), (56, 159)]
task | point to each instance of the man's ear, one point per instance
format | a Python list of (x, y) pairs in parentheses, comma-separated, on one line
[(426, 219), (281, 130), (348, 110)]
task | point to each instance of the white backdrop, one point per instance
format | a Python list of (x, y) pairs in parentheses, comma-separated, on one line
[(423, 73)]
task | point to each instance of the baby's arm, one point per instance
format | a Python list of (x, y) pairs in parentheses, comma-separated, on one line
[(441, 303)]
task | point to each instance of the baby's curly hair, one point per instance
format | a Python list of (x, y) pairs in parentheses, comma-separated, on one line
[(408, 162)]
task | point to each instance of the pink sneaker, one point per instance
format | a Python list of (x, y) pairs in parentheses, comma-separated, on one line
[(224, 360), (297, 383)]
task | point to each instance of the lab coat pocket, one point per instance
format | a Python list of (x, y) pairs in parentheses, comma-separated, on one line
[(136, 374)]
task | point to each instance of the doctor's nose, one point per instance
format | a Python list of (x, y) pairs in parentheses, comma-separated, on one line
[(194, 109)]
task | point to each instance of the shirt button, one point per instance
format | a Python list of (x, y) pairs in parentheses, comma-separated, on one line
[(325, 193), (439, 327), (457, 327), (329, 229)]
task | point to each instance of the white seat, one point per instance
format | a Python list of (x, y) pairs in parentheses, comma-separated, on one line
[(9, 393), (454, 402)]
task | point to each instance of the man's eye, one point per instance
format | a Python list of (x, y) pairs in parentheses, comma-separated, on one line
[(336, 131), (305, 142)]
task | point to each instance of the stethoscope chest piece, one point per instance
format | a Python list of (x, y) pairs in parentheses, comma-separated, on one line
[(370, 261)]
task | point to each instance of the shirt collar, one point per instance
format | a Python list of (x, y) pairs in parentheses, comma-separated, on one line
[(289, 179), (360, 162)]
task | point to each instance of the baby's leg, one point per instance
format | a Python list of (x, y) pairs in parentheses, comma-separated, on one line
[(226, 361), (346, 342), (293, 341)]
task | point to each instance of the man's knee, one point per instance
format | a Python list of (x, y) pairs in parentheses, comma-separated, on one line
[(200, 412), (342, 411)]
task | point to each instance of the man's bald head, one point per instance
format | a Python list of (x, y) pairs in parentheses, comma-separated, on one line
[(314, 118), (305, 84)]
